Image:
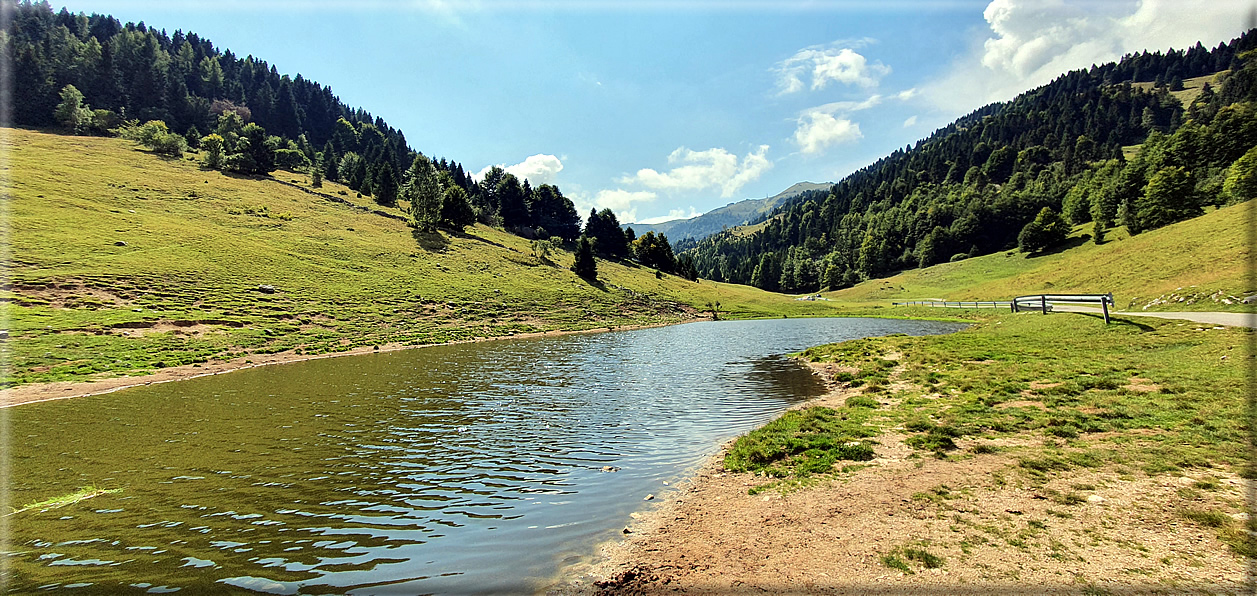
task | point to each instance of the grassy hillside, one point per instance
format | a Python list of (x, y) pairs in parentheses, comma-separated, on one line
[(1204, 261), (123, 262)]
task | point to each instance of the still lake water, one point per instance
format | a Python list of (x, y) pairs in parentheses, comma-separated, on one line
[(465, 468)]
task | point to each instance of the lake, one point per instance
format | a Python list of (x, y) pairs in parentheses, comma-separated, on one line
[(481, 467)]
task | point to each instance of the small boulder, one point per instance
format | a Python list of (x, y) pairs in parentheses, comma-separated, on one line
[(1095, 499), (120, 243), (266, 289)]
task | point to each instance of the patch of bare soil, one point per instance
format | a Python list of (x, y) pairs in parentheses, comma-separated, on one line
[(71, 295), (993, 530), (1142, 385)]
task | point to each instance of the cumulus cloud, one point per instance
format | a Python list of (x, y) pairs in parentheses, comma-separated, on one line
[(713, 168), (623, 202), (1030, 42), (819, 129), (822, 65), (537, 169), (911, 121)]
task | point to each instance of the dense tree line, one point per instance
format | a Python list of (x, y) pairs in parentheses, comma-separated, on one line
[(95, 75), (976, 185)]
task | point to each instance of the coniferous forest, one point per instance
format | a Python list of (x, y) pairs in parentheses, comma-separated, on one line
[(94, 75), (1111, 144)]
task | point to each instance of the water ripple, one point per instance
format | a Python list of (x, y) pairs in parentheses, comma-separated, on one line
[(433, 470)]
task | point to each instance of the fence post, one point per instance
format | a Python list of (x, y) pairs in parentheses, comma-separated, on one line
[(1043, 303), (1104, 304)]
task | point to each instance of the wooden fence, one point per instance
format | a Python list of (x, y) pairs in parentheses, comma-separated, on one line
[(957, 303), (1039, 302)]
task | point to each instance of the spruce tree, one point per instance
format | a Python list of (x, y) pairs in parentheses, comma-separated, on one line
[(456, 211), (423, 190), (585, 265), (385, 184)]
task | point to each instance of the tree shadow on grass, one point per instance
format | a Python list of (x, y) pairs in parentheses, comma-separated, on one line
[(596, 283), (1062, 247), (470, 236), (430, 241), (1117, 321)]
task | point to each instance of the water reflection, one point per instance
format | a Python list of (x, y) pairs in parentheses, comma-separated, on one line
[(477, 466)]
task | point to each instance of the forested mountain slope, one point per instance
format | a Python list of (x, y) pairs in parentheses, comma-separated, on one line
[(1139, 143), (93, 75), (1199, 264)]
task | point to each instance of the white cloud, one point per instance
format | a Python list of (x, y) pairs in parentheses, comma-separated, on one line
[(911, 121), (537, 169), (1031, 42), (672, 214), (819, 129), (825, 64), (697, 170), (847, 106), (623, 202)]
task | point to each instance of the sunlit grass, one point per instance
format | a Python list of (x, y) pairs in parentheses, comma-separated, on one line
[(1149, 396), (1205, 255), (124, 262)]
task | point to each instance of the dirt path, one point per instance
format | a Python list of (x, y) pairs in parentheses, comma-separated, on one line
[(990, 530), (1231, 319), (39, 392)]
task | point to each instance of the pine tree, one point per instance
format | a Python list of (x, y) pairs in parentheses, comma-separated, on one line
[(330, 162), (456, 211), (423, 191), (385, 184), (585, 265), (316, 172)]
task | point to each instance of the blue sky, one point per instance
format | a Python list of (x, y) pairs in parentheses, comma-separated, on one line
[(668, 109)]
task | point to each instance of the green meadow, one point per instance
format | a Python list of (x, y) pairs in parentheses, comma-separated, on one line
[(1204, 261), (1061, 395), (123, 262)]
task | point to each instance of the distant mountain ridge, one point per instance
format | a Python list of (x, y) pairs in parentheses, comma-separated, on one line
[(731, 215)]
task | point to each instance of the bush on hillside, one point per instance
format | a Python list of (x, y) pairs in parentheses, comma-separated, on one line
[(1047, 230), (155, 135)]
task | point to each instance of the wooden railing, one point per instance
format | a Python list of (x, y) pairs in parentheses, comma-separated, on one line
[(1043, 302), (1040, 302), (956, 303)]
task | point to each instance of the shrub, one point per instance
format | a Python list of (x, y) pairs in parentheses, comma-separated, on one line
[(155, 135), (213, 146), (1047, 230), (291, 159)]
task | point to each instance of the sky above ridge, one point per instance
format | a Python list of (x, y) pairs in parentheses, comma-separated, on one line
[(663, 110)]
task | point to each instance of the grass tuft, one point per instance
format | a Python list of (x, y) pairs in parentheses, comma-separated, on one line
[(803, 442), (77, 496)]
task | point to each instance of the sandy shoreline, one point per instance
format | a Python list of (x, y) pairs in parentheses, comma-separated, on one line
[(41, 392), (994, 532)]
